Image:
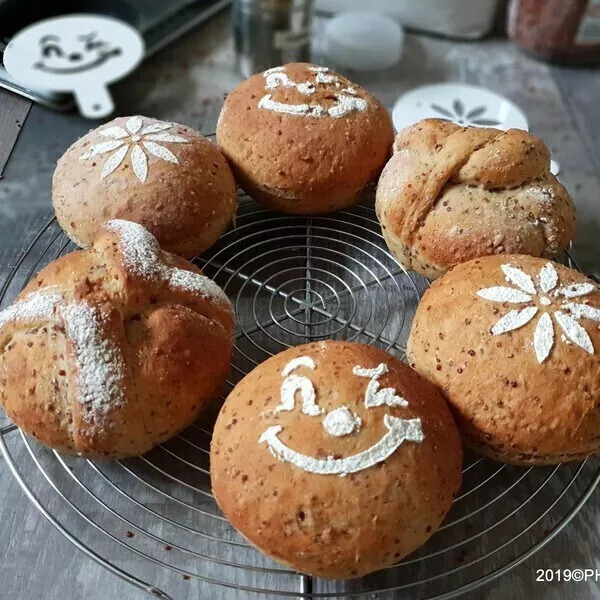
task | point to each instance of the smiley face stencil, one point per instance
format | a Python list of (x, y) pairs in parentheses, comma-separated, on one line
[(340, 421), (75, 53)]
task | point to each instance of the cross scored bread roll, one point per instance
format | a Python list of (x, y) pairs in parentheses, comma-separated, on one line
[(451, 193), (165, 176), (112, 350), (303, 139), (335, 459), (513, 342)]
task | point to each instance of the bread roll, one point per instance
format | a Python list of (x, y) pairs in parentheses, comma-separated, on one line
[(165, 176), (112, 350), (335, 459), (513, 342), (451, 193), (303, 139)]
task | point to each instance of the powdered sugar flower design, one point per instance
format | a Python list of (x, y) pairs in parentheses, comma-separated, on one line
[(552, 299), (137, 138)]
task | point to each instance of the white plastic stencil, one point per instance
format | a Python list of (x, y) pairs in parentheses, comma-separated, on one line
[(76, 53)]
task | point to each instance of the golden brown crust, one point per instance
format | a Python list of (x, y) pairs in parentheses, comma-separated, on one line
[(507, 404), (302, 164), (451, 193), (175, 348), (331, 525), (187, 205)]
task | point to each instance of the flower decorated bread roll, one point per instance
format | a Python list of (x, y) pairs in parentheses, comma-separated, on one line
[(303, 139), (335, 458), (165, 176), (451, 193), (112, 350), (514, 343)]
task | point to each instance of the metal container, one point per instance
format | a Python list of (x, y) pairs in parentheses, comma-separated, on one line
[(268, 33)]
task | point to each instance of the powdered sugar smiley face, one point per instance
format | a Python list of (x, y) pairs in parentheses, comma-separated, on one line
[(345, 97), (78, 53), (340, 421)]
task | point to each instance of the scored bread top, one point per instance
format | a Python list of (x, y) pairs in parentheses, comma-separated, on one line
[(453, 193)]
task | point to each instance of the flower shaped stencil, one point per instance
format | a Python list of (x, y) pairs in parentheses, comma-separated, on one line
[(552, 300), (471, 117), (137, 138)]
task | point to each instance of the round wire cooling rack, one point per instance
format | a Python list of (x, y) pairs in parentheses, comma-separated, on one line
[(153, 521)]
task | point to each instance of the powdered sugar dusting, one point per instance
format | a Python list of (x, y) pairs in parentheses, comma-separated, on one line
[(346, 101), (514, 319), (584, 311), (574, 331), (399, 431), (575, 290), (519, 278), (142, 256), (133, 136), (309, 110), (543, 337), (341, 421), (300, 361), (34, 307), (504, 294), (299, 383), (373, 395), (548, 278), (98, 360)]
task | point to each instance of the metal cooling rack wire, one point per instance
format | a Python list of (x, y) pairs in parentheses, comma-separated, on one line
[(294, 279)]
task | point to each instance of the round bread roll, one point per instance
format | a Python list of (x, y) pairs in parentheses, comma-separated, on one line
[(335, 459), (303, 139), (513, 342), (112, 350), (451, 193), (165, 176)]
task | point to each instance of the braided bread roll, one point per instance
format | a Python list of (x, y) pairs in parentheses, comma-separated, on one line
[(112, 350), (451, 193)]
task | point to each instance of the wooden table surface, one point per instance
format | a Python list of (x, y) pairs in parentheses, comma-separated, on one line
[(186, 83)]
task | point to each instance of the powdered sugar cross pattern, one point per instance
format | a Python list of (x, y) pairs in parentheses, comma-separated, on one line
[(97, 357), (548, 295), (134, 136)]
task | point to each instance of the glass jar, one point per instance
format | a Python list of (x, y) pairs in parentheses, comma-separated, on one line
[(562, 31)]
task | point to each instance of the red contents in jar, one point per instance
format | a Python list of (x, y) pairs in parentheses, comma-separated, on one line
[(565, 31)]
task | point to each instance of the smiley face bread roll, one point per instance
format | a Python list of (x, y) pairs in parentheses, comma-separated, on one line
[(451, 193), (112, 350), (165, 176), (335, 459), (303, 139), (513, 343)]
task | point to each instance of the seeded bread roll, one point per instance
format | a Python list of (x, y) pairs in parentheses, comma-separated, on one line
[(513, 342), (335, 459), (112, 350), (165, 176), (303, 139), (451, 193)]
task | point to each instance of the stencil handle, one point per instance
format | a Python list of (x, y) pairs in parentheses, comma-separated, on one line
[(94, 102)]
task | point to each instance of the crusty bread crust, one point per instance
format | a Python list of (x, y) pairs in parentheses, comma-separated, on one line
[(187, 205), (175, 346), (331, 525), (297, 163), (451, 193), (508, 405)]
